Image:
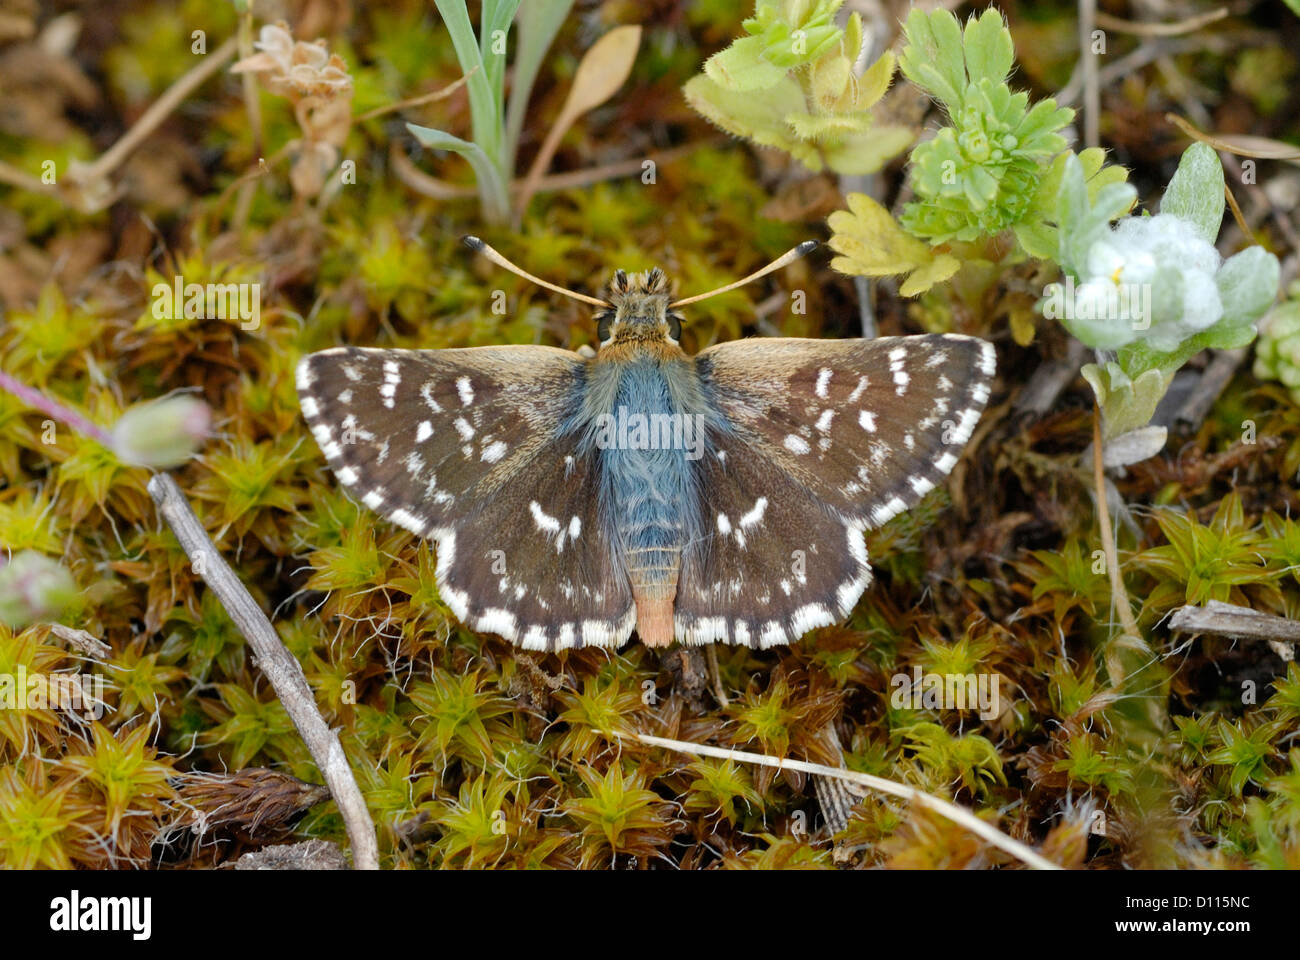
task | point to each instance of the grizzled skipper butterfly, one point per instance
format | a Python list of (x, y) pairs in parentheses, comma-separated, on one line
[(714, 498)]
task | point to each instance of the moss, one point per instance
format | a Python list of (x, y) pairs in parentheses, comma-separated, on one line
[(473, 754)]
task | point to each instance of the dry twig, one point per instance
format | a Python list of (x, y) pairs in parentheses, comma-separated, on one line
[(275, 661), (958, 815)]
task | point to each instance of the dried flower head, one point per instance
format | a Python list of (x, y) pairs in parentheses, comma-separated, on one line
[(295, 68)]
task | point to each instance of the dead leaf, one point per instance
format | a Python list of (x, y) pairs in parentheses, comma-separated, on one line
[(1243, 145), (602, 71)]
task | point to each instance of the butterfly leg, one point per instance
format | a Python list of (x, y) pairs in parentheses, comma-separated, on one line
[(715, 677)]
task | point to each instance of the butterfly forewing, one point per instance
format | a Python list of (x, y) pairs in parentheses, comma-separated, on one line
[(867, 426), (828, 438), (467, 447)]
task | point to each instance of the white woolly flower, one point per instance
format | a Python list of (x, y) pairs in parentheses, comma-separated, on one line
[(1149, 278)]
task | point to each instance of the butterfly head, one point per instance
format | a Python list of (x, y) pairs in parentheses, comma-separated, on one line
[(639, 310)]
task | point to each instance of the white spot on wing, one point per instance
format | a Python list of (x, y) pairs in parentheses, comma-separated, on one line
[(544, 521), (498, 621), (773, 634), (755, 515)]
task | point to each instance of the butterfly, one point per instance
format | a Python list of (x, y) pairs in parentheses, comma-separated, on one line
[(720, 497)]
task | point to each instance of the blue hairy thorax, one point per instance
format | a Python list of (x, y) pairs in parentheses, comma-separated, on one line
[(644, 417), (648, 480)]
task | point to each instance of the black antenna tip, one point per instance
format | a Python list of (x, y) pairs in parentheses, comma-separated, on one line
[(474, 243), (807, 247)]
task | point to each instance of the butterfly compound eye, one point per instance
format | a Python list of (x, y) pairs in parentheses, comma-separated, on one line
[(603, 324), (674, 326)]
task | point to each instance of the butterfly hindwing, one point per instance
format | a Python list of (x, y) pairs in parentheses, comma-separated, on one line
[(534, 565), (829, 437), (773, 562), (466, 447)]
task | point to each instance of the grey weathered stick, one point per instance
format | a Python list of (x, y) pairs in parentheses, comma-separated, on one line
[(275, 661), (1229, 620), (1222, 368), (1091, 86), (1049, 381)]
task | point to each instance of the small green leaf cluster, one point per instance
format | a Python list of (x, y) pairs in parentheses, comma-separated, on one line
[(995, 166), (1277, 352), (790, 84), (979, 174)]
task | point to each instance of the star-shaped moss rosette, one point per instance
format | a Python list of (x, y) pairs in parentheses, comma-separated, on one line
[(790, 84), (978, 175), (1153, 289)]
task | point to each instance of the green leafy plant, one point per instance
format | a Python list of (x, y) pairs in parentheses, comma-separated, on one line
[(496, 123), (1153, 289), (790, 84), (979, 176), (1277, 354)]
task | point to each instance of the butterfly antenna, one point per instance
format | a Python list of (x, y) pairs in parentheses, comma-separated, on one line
[(790, 256), (474, 243)]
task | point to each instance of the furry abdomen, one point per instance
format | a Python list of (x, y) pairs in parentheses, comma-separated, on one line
[(647, 397)]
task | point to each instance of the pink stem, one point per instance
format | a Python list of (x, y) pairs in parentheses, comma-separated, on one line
[(34, 398)]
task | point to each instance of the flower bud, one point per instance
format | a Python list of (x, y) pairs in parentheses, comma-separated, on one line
[(34, 587), (161, 433)]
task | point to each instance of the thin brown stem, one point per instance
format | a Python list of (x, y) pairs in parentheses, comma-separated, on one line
[(1236, 213), (1108, 22), (442, 94), (23, 180), (158, 111), (719, 691), (1118, 594), (421, 182)]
